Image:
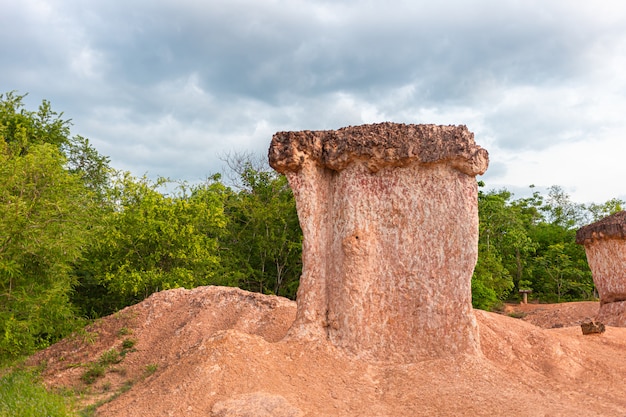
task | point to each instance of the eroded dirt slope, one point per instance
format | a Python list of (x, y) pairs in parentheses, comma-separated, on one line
[(552, 316), (216, 351)]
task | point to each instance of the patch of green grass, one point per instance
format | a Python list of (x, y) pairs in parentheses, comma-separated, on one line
[(128, 344), (124, 331), (85, 336), (150, 369), (125, 387), (109, 357), (517, 314), (22, 394), (89, 411), (94, 371)]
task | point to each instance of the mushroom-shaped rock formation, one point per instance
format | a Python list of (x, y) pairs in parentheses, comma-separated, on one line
[(390, 222), (605, 246)]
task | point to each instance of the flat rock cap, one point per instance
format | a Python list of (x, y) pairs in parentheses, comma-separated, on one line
[(611, 227), (378, 146)]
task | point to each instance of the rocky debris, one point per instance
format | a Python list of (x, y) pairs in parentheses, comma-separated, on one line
[(591, 327), (390, 224), (605, 246), (256, 404)]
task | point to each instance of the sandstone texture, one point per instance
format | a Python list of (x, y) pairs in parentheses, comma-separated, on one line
[(605, 246), (592, 327), (378, 146), (390, 223), (614, 314)]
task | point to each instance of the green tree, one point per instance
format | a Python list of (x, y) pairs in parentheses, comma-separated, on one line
[(566, 277), (600, 211), (86, 162), (48, 206), (150, 241), (263, 247), (558, 267), (22, 129), (46, 218), (503, 248), (561, 211)]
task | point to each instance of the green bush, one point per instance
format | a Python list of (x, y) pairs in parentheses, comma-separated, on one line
[(483, 297)]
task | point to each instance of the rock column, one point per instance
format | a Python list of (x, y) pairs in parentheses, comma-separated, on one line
[(390, 223), (605, 246)]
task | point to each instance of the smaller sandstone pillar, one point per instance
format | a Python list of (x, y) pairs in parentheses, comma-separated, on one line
[(389, 215), (605, 246), (525, 295)]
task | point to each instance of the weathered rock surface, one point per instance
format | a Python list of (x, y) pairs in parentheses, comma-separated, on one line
[(610, 227), (614, 314), (605, 246), (390, 224), (378, 146), (592, 327)]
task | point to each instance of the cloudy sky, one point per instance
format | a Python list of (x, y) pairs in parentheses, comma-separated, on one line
[(169, 87)]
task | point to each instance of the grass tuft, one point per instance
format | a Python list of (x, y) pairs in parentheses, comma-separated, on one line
[(150, 369), (124, 331), (94, 371), (109, 357), (517, 314), (128, 344)]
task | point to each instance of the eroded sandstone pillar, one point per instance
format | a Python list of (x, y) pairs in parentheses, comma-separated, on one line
[(605, 246), (390, 223)]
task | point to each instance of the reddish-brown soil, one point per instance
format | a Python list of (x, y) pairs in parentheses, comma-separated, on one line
[(551, 316), (216, 351)]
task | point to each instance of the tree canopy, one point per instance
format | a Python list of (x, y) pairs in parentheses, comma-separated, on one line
[(80, 240), (45, 220)]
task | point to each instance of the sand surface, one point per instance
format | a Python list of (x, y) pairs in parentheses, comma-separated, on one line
[(216, 351)]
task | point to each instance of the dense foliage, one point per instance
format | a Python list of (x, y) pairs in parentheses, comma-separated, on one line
[(529, 244), (79, 240), (45, 223)]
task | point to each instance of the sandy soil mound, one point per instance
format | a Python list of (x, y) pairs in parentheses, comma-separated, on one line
[(216, 351), (552, 316)]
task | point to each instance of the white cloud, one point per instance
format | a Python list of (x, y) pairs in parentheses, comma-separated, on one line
[(87, 63), (167, 87), (590, 171)]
